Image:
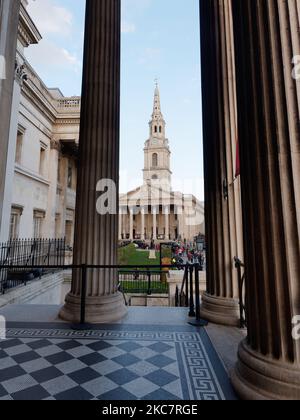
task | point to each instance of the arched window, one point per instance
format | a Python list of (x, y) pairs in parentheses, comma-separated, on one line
[(155, 129), (160, 129), (155, 160)]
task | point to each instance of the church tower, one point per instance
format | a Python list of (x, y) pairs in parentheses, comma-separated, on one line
[(157, 151)]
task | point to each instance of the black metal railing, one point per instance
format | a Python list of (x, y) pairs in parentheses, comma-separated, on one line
[(144, 282), (21, 259), (182, 296), (242, 291), (191, 272), (189, 295)]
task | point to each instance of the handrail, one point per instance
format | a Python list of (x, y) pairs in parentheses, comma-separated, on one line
[(190, 269), (242, 293)]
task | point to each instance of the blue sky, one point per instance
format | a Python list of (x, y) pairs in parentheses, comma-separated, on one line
[(160, 38)]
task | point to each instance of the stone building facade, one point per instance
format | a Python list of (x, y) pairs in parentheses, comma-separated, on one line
[(40, 189)]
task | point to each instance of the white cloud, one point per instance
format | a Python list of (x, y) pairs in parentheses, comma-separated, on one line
[(127, 27), (50, 17), (50, 55)]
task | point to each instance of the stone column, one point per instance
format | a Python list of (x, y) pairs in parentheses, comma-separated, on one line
[(125, 224), (267, 37), (9, 18), (52, 193), (222, 191), (180, 215), (154, 214), (131, 224), (120, 223), (167, 223), (143, 223), (96, 235)]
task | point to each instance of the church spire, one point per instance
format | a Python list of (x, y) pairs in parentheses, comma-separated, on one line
[(157, 106), (157, 123)]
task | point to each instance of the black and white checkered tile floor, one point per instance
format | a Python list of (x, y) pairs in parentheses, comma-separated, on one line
[(114, 363)]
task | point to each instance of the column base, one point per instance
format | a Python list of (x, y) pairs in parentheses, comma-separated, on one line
[(99, 310), (220, 310), (258, 377)]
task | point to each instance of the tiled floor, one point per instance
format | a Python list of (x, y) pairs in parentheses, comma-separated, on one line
[(116, 362)]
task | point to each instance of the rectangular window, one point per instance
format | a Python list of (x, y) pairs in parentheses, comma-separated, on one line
[(38, 223), (19, 147), (57, 226), (70, 175), (69, 233), (15, 218), (43, 159), (59, 170)]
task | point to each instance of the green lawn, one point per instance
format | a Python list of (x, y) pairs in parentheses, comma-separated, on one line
[(142, 287), (129, 255)]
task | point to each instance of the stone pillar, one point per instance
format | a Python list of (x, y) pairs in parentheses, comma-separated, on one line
[(143, 223), (167, 223), (125, 224), (222, 191), (120, 223), (154, 214), (267, 37), (131, 224), (52, 194), (180, 216), (9, 18), (96, 235)]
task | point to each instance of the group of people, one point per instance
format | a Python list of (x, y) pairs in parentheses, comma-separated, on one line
[(187, 253)]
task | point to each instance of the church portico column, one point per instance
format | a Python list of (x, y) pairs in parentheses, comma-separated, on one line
[(267, 37), (124, 217), (167, 222), (222, 196), (131, 224), (120, 223), (154, 215), (143, 223), (96, 235)]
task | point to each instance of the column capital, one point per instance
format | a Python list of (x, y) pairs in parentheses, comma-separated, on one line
[(55, 145)]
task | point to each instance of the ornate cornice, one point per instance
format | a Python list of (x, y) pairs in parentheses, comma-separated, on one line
[(27, 31)]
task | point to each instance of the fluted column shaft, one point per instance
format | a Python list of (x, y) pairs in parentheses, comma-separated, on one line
[(267, 38), (222, 191), (154, 215), (167, 222), (131, 236), (96, 235), (143, 223), (120, 224)]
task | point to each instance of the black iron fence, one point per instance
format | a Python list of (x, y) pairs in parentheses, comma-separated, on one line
[(22, 260), (242, 291), (144, 282), (151, 285), (189, 294)]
